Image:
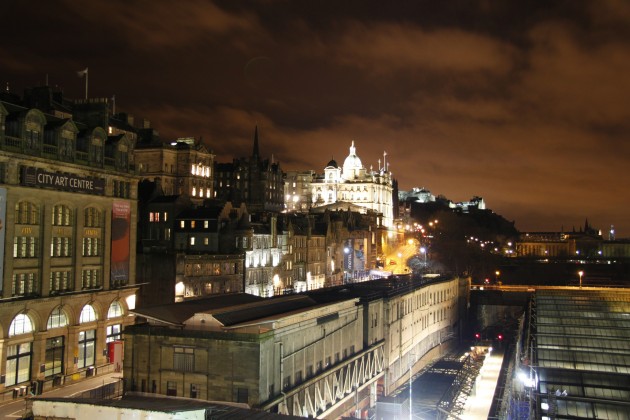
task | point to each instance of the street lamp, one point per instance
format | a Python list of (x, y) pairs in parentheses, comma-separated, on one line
[(496, 279), (423, 250), (580, 273)]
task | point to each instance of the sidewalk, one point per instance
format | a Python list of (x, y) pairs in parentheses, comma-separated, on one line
[(8, 407)]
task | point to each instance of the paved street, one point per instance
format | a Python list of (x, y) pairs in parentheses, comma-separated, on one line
[(396, 261), (15, 408)]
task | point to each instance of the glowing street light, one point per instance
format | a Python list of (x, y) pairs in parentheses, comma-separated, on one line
[(580, 273), (423, 250)]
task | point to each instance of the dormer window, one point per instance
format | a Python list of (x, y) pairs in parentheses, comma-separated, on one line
[(97, 150)]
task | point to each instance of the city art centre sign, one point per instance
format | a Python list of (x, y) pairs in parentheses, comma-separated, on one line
[(36, 177)]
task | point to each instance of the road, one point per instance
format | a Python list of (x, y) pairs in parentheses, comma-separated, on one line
[(396, 261), (14, 409)]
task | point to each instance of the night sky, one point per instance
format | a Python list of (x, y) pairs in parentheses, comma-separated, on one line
[(526, 104)]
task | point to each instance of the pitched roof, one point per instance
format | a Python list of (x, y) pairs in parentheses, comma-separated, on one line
[(177, 313)]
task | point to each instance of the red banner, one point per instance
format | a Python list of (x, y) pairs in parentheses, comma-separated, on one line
[(121, 220)]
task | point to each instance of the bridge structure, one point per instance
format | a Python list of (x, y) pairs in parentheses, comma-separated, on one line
[(340, 386)]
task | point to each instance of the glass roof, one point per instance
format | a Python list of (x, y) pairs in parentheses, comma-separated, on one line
[(582, 353)]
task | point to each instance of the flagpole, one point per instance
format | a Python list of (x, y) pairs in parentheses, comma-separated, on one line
[(86, 83)]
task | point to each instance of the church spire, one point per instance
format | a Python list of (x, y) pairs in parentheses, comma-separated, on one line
[(255, 154)]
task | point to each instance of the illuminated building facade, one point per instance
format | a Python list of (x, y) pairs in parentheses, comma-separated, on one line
[(67, 248), (298, 191), (353, 183), (184, 166), (320, 354)]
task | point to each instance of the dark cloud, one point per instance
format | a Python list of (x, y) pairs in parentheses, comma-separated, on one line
[(526, 104)]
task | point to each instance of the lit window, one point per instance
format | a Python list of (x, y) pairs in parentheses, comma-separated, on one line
[(92, 217), (115, 310), (87, 348), (57, 318), (113, 333), (87, 314), (21, 324), (192, 240)]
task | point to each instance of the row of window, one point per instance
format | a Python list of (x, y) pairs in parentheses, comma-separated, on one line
[(28, 247), (22, 323), (312, 371), (211, 269), (28, 213), (193, 241), (200, 170), (19, 356), (200, 192), (156, 217), (191, 223), (242, 394), (63, 143), (27, 283)]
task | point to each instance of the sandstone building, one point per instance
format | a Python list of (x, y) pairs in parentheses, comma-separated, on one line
[(67, 246)]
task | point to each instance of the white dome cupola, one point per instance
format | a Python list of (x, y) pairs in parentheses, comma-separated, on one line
[(352, 166)]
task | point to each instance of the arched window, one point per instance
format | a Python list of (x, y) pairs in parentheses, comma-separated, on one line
[(57, 318), (115, 310), (21, 324), (88, 314)]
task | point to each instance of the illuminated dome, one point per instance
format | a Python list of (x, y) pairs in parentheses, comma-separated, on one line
[(352, 165), (332, 164)]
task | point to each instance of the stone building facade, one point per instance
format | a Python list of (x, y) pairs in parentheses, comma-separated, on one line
[(67, 250), (322, 353), (355, 184), (297, 191), (182, 167)]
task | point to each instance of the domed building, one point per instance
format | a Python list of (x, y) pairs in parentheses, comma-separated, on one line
[(354, 184)]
